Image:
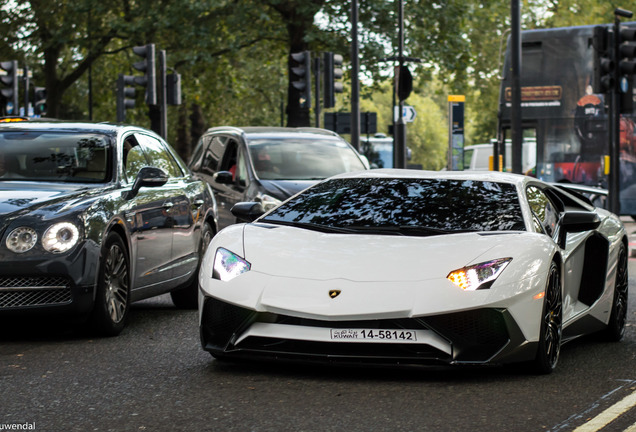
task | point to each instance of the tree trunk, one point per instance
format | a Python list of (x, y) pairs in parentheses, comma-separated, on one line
[(197, 122), (182, 144)]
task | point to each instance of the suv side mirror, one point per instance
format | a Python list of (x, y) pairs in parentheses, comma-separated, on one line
[(223, 177)]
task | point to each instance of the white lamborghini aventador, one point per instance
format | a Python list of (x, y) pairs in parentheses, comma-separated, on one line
[(415, 267)]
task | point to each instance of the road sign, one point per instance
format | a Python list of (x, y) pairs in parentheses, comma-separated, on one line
[(408, 113)]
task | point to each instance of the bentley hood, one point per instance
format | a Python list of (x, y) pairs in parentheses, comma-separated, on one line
[(19, 198)]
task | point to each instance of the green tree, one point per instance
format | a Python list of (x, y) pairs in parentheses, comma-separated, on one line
[(233, 54)]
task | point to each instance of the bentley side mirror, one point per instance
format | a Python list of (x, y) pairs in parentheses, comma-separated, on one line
[(148, 176)]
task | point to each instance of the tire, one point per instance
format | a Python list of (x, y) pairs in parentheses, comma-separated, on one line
[(112, 300), (551, 324), (188, 297), (618, 318)]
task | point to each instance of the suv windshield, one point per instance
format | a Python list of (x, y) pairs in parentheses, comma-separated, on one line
[(54, 156), (404, 206), (302, 158)]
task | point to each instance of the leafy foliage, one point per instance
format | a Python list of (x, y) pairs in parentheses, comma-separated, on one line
[(233, 56)]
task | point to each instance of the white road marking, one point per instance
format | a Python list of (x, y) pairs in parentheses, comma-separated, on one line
[(609, 415)]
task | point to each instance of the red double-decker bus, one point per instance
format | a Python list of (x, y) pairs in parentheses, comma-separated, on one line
[(561, 112)]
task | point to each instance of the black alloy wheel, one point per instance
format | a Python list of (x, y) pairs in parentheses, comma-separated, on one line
[(113, 288), (551, 324), (616, 325)]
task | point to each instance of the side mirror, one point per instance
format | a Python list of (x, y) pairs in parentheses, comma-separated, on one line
[(247, 211), (148, 177), (576, 221), (223, 177)]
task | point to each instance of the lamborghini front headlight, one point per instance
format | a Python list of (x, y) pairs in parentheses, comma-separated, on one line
[(478, 276), (228, 265)]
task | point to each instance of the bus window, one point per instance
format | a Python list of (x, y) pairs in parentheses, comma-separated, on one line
[(570, 121)]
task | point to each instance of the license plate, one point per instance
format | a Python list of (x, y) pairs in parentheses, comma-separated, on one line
[(374, 335)]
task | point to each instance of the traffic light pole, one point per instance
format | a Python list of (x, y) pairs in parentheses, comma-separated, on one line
[(162, 96), (613, 203), (25, 78), (613, 193), (399, 156), (355, 81), (517, 132), (317, 76)]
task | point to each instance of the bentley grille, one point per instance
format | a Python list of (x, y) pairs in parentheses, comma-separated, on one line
[(34, 291)]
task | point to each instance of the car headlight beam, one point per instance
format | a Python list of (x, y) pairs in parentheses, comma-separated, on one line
[(478, 276), (21, 239), (228, 265), (60, 237)]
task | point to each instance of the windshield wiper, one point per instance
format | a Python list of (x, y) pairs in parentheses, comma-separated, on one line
[(403, 230), (424, 230), (310, 226)]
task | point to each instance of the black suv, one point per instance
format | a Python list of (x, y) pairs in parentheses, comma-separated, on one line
[(268, 164)]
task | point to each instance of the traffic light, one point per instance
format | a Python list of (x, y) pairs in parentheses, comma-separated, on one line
[(626, 68), (125, 95), (333, 72), (147, 66), (10, 80), (39, 101), (603, 81), (301, 76), (405, 83), (173, 89)]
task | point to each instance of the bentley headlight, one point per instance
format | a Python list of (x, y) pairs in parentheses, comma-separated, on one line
[(478, 276), (22, 239), (60, 237), (228, 265), (267, 201)]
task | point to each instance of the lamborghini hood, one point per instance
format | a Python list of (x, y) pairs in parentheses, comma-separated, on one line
[(305, 254)]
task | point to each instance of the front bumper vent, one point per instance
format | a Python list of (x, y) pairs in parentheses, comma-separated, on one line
[(18, 291)]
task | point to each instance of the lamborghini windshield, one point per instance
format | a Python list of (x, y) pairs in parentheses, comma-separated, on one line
[(403, 206)]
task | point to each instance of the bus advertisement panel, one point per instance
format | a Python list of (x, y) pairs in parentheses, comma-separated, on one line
[(560, 110)]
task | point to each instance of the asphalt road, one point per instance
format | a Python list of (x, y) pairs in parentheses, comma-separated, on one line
[(155, 377)]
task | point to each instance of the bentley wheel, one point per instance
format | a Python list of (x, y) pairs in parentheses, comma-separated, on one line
[(616, 325), (112, 301), (551, 324), (187, 297)]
